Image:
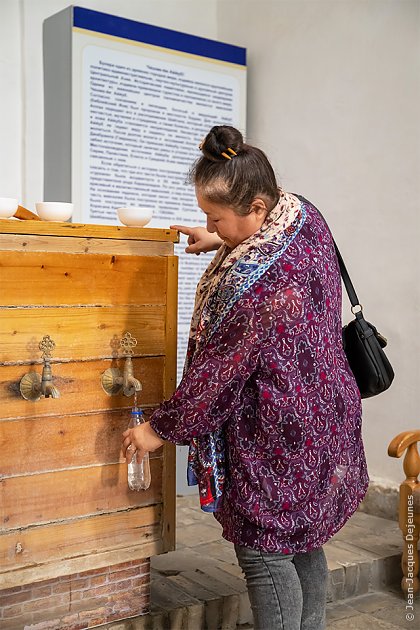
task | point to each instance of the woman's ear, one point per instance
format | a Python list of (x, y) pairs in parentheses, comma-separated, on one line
[(259, 206)]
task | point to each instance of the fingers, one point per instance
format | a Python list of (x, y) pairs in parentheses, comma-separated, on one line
[(140, 453), (129, 454), (126, 444), (193, 248), (135, 455), (183, 229), (140, 440)]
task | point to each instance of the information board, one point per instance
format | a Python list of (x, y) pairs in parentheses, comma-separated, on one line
[(126, 105)]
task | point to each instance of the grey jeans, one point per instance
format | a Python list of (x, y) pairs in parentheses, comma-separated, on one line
[(287, 592)]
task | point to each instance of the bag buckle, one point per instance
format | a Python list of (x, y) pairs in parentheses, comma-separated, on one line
[(356, 306)]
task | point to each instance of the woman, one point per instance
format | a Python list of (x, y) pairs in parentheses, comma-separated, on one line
[(267, 401)]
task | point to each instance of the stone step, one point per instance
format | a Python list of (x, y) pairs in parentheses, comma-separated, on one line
[(200, 585)]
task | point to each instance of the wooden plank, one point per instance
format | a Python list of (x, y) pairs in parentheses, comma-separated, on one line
[(58, 568), (169, 497), (32, 279), (78, 517), (31, 243), (80, 388), (79, 333), (50, 228), (81, 537), (36, 445), (37, 499), (171, 326), (169, 475)]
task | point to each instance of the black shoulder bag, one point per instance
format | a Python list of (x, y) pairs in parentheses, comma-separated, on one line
[(363, 345)]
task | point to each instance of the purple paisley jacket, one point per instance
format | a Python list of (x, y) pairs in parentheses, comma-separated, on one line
[(274, 378)]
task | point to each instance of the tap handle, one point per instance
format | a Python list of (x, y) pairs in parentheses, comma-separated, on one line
[(32, 385), (113, 381), (46, 345), (127, 343)]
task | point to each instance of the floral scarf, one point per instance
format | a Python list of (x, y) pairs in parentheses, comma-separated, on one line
[(229, 275)]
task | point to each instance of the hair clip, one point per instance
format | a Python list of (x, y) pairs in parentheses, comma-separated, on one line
[(231, 151)]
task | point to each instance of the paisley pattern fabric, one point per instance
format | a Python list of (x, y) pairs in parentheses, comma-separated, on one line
[(242, 263), (229, 275), (268, 378)]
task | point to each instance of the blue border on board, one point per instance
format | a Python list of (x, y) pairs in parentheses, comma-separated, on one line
[(157, 36)]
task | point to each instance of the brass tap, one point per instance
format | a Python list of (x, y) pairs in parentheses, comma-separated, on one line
[(47, 388), (112, 380), (32, 386), (129, 382)]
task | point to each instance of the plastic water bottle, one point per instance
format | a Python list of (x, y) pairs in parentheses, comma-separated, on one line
[(138, 474)]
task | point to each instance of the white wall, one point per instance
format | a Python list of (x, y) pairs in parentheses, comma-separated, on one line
[(11, 106), (334, 94), (334, 88)]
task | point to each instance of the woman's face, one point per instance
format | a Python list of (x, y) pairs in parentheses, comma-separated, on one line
[(229, 226)]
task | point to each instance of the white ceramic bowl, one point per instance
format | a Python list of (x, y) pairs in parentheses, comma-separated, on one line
[(54, 210), (135, 217), (8, 207)]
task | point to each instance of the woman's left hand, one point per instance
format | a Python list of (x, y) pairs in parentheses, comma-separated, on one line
[(142, 439)]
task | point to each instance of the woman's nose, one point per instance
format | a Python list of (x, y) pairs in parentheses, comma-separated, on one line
[(210, 225)]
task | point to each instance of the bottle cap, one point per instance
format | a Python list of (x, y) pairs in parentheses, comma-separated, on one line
[(136, 411)]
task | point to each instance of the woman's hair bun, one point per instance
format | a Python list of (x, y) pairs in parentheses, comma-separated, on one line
[(219, 139)]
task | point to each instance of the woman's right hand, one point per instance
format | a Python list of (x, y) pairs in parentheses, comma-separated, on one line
[(199, 239)]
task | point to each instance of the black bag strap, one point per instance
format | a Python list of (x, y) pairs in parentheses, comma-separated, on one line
[(354, 300), (367, 328), (346, 279)]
